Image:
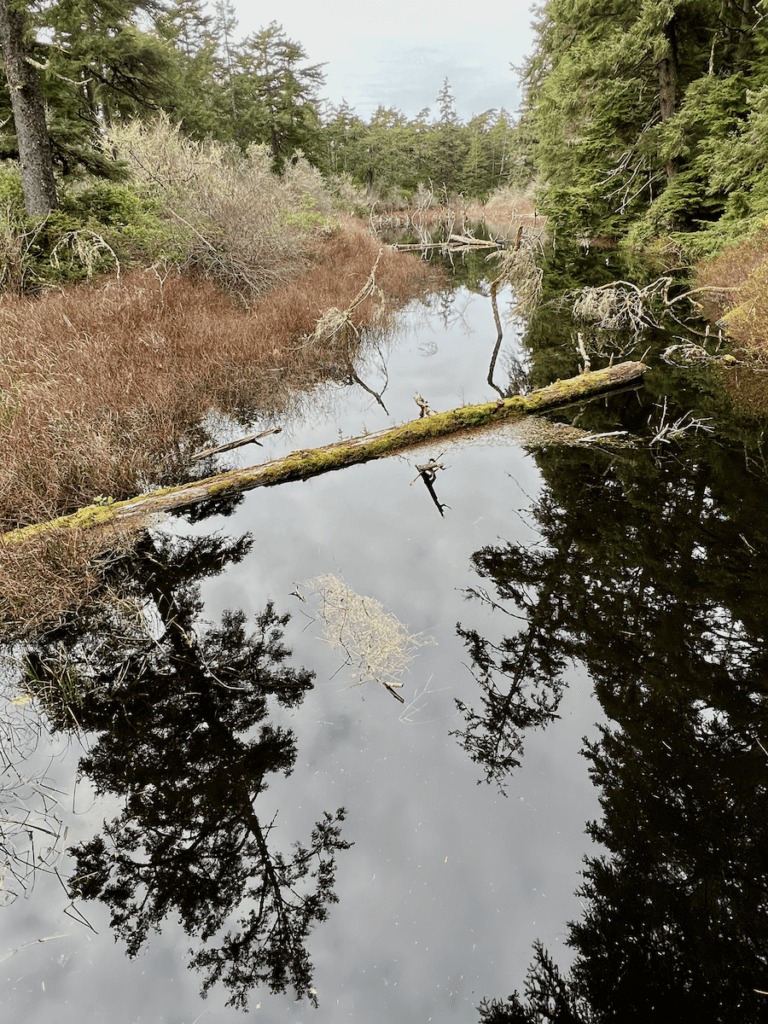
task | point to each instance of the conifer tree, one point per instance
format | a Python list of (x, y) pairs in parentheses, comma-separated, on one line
[(34, 144), (276, 94)]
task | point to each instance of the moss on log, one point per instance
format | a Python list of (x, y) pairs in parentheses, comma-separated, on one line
[(300, 465)]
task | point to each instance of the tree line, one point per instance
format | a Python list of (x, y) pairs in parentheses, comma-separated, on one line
[(638, 120), (74, 68)]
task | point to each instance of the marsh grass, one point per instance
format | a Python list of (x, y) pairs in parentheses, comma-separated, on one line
[(107, 389), (42, 582), (104, 389), (737, 299)]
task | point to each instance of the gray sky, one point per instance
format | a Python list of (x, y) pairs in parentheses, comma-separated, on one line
[(397, 53)]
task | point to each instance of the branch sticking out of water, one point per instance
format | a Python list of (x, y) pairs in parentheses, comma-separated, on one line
[(519, 266), (251, 439), (673, 431), (337, 323), (428, 473)]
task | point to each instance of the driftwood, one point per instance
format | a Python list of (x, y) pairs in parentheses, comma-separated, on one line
[(301, 465), (454, 243)]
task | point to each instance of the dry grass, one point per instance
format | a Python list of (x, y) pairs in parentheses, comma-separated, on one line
[(739, 302), (377, 646), (103, 389), (40, 583), (739, 279)]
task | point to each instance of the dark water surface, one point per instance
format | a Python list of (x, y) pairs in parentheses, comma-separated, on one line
[(589, 682)]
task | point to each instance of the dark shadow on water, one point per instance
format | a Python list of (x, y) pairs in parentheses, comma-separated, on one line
[(651, 571)]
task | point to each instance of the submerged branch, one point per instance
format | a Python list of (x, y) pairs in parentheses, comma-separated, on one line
[(251, 439), (301, 465)]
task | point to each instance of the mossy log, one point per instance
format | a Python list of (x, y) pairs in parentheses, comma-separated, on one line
[(300, 465)]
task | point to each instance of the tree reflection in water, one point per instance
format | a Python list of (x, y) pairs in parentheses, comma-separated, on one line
[(182, 735), (653, 574)]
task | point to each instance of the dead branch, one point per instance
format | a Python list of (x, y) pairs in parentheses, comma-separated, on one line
[(251, 439), (425, 409)]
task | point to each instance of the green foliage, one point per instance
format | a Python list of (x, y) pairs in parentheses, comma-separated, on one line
[(106, 203), (274, 94), (11, 194), (393, 157), (305, 215), (99, 66), (653, 113)]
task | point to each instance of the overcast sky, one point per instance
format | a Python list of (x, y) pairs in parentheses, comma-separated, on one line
[(398, 52)]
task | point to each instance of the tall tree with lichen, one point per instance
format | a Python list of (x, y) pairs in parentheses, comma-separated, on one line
[(34, 142)]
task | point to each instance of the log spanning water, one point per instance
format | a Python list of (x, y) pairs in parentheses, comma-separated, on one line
[(300, 465)]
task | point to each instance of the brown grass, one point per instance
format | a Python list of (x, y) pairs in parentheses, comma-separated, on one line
[(42, 582), (103, 389), (741, 271)]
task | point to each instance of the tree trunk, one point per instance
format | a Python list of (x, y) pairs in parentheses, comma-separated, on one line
[(35, 154), (305, 464), (667, 71)]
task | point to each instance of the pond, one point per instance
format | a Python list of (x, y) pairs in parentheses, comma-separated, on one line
[(573, 768)]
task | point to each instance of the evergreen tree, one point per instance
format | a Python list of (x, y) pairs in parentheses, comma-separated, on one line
[(276, 95), (99, 66), (446, 105), (199, 102), (449, 143), (627, 108), (225, 24)]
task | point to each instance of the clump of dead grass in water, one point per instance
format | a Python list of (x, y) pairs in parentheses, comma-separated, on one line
[(376, 645)]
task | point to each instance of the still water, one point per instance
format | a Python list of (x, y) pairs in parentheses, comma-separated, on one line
[(582, 643)]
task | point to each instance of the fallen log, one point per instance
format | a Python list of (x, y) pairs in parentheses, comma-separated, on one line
[(300, 465), (456, 243)]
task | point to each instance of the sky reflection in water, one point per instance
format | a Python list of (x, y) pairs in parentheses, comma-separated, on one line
[(448, 883)]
